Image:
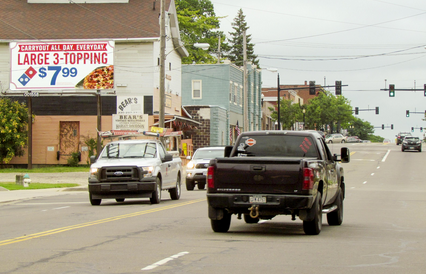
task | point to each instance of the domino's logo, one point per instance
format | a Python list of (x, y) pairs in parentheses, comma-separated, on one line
[(27, 76)]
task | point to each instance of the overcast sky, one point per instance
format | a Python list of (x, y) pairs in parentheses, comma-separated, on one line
[(366, 44)]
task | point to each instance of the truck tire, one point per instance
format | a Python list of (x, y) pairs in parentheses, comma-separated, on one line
[(94, 201), (175, 192), (250, 220), (201, 185), (223, 224), (336, 217), (313, 227), (189, 185), (156, 195)]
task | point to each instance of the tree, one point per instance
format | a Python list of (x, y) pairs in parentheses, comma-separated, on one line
[(236, 52), (13, 129), (197, 22), (290, 113), (326, 110), (361, 128)]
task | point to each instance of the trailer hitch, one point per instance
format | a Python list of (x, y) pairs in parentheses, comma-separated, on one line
[(254, 211)]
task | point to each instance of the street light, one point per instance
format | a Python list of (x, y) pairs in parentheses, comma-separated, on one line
[(278, 95)]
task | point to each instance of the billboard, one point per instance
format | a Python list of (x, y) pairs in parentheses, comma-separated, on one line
[(50, 65)]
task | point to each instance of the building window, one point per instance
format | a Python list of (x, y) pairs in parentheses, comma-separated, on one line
[(170, 66), (241, 95), (196, 89), (235, 94), (230, 91)]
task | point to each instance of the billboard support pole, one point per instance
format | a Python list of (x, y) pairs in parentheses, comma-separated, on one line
[(99, 123), (30, 133)]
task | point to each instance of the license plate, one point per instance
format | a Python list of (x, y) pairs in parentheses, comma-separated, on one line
[(257, 199), (411, 147), (205, 173)]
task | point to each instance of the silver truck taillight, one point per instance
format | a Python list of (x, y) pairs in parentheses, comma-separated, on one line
[(308, 178), (210, 177)]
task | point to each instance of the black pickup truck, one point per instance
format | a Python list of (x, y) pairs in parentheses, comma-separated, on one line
[(269, 173)]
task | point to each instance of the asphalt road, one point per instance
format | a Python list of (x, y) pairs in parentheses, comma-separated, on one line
[(383, 231)]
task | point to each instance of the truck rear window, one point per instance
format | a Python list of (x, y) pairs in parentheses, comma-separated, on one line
[(277, 146)]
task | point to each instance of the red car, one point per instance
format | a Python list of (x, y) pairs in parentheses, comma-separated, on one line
[(353, 139)]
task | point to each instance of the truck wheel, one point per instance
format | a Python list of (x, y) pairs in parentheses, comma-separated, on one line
[(175, 192), (189, 185), (156, 195), (250, 220), (94, 201), (314, 227), (336, 217), (201, 185), (119, 200), (223, 224)]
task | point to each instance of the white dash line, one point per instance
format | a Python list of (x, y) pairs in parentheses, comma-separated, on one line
[(61, 207), (365, 182), (164, 261)]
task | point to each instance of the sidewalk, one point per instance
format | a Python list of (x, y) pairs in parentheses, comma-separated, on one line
[(53, 178)]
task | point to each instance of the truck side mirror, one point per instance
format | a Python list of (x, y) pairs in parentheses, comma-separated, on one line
[(92, 159), (345, 155), (167, 158)]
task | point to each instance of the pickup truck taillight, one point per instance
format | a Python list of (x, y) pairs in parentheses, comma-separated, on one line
[(210, 177), (308, 178)]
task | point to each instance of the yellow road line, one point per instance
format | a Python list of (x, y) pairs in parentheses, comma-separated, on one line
[(102, 221)]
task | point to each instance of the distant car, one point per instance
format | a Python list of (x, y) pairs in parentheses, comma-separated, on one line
[(196, 169), (411, 143), (353, 139), (335, 138), (400, 137)]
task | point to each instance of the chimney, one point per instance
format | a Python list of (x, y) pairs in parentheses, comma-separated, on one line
[(306, 83)]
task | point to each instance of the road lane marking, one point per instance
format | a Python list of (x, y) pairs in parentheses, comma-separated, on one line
[(61, 207), (365, 182), (372, 174), (386, 156), (102, 221), (164, 261)]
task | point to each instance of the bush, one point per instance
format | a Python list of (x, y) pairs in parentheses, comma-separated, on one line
[(74, 159)]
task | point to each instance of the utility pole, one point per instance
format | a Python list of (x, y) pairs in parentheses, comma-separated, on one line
[(162, 63), (246, 122)]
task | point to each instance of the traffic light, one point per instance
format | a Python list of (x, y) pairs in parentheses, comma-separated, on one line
[(407, 113), (421, 129), (339, 88), (311, 87), (412, 129), (391, 90), (383, 126), (377, 110), (356, 110), (424, 89), (391, 126)]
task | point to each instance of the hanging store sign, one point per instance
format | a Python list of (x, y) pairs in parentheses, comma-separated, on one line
[(62, 65), (138, 122)]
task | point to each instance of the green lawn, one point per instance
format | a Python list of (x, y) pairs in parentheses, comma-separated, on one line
[(54, 169), (14, 186)]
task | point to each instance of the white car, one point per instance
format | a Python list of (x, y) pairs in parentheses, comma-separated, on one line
[(196, 169), (335, 138)]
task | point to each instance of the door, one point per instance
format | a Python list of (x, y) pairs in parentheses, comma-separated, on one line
[(69, 138)]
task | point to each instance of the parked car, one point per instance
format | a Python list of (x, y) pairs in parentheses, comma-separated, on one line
[(411, 143), (353, 139), (196, 169), (335, 138), (400, 137)]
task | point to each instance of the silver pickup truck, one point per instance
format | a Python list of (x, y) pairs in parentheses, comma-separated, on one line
[(134, 169)]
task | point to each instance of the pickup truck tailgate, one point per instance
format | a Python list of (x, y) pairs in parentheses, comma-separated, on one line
[(258, 175)]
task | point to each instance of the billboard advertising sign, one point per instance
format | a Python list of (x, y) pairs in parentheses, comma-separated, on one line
[(46, 65)]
